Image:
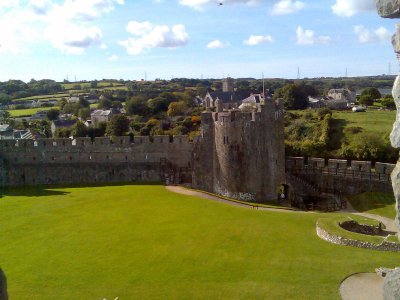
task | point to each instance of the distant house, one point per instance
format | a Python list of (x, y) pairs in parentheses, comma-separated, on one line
[(342, 94), (6, 131), (252, 102), (318, 102), (40, 115), (91, 99), (100, 115), (229, 99), (73, 99), (58, 124)]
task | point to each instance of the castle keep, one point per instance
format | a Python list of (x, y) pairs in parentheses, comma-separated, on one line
[(239, 154)]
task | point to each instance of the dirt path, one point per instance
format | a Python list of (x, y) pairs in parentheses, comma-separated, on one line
[(189, 192), (362, 286)]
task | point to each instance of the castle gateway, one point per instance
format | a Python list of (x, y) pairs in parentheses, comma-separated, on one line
[(239, 154)]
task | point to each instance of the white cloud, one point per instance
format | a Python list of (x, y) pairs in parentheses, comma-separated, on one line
[(113, 58), (365, 35), (217, 44), (148, 36), (285, 7), (67, 25), (254, 40), (201, 4), (307, 37), (72, 39), (40, 7), (348, 8)]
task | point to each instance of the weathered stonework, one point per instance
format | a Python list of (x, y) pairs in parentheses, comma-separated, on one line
[(3, 286), (63, 161), (388, 8), (391, 286), (391, 9), (384, 246), (241, 155), (348, 177)]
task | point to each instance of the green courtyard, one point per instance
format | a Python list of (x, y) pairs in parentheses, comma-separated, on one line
[(143, 242)]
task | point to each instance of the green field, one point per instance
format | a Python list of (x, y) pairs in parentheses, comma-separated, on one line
[(348, 126), (143, 242), (53, 96), (373, 121), (382, 204), (18, 113)]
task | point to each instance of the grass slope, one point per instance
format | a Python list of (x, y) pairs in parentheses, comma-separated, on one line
[(382, 204), (143, 242), (372, 121)]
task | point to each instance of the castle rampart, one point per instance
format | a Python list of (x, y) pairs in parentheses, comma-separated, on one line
[(66, 161), (348, 177)]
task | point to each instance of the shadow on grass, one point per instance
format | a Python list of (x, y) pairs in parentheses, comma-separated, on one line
[(370, 201), (51, 190)]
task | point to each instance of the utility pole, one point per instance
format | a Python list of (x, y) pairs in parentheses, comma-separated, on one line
[(298, 72), (263, 84)]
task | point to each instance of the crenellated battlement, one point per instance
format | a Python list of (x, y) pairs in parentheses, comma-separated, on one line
[(98, 143), (103, 159), (340, 164)]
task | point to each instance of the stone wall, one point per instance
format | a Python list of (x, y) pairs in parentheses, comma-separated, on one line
[(384, 246), (241, 154), (348, 177), (66, 161)]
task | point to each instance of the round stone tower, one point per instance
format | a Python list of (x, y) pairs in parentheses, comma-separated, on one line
[(244, 153)]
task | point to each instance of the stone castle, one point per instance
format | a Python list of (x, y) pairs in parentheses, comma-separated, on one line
[(239, 154)]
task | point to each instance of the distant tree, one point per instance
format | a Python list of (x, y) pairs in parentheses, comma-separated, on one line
[(4, 98), (83, 102), (372, 92), (117, 104), (52, 114), (293, 96), (105, 103), (176, 109), (84, 113), (388, 102), (117, 126), (158, 104), (4, 116), (366, 100), (79, 130), (93, 84), (71, 108), (62, 133), (137, 106)]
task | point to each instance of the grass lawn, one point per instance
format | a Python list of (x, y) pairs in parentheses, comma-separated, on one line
[(372, 121), (17, 113), (382, 204), (143, 242), (331, 225)]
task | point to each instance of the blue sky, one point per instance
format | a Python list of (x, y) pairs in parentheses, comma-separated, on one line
[(95, 39)]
